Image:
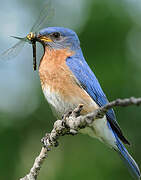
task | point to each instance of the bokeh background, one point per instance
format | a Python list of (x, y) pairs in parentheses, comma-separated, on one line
[(110, 35)]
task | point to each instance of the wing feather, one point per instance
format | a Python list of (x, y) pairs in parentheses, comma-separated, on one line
[(89, 82)]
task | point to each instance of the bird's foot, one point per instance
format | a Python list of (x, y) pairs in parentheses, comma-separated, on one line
[(76, 112), (69, 117), (73, 113)]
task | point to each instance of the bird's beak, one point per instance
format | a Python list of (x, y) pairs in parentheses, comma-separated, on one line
[(44, 38)]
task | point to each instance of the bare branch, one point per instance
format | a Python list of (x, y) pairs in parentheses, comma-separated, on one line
[(70, 124), (36, 166)]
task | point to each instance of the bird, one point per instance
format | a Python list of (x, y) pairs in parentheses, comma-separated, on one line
[(67, 81)]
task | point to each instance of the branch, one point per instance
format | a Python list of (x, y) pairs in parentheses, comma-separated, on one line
[(70, 124)]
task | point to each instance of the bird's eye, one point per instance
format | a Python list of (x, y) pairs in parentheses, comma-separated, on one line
[(56, 35)]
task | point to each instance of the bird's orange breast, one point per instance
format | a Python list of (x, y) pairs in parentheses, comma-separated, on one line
[(55, 75)]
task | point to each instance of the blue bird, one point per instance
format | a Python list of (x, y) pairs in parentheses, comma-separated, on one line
[(68, 81)]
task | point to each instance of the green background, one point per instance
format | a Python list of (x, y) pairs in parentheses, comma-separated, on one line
[(111, 42)]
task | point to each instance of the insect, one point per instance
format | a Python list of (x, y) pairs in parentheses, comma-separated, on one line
[(45, 15)]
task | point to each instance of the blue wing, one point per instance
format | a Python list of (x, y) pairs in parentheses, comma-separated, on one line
[(89, 82)]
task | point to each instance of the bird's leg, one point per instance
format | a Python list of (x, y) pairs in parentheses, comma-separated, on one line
[(75, 113), (71, 115), (67, 114)]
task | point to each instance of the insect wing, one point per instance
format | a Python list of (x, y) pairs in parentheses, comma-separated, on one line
[(44, 17), (13, 51)]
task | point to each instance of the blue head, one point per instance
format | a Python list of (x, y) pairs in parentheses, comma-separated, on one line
[(59, 38)]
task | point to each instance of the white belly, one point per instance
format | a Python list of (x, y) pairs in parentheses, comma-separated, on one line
[(57, 103)]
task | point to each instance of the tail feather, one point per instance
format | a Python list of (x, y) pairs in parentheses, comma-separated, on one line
[(127, 159)]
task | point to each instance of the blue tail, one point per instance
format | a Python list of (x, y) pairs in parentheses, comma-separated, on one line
[(127, 159)]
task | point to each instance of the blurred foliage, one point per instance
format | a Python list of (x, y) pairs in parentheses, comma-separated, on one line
[(106, 47)]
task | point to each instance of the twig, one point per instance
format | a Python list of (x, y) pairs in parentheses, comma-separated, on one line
[(70, 124), (36, 166)]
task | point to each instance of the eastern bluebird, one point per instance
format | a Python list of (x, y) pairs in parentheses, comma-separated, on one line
[(68, 81)]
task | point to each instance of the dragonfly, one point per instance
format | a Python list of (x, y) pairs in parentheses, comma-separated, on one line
[(45, 16)]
